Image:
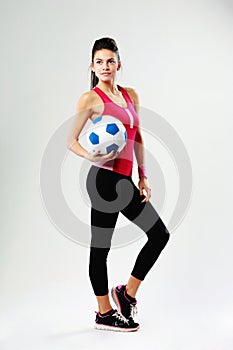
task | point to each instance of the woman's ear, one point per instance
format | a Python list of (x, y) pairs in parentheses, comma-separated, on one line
[(119, 66), (91, 67)]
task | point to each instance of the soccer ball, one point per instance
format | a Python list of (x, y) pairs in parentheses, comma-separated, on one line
[(107, 134)]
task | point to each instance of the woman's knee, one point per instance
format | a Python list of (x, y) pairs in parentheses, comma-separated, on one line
[(158, 235)]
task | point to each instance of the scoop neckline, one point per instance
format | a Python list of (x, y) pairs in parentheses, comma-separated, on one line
[(112, 100)]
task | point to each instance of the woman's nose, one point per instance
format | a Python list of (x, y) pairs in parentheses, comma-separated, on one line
[(105, 65)]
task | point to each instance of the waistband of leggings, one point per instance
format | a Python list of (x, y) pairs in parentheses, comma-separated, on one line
[(108, 171)]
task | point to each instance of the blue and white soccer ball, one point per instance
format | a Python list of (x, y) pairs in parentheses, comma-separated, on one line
[(107, 134)]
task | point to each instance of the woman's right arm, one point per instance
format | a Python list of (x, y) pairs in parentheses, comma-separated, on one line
[(83, 113)]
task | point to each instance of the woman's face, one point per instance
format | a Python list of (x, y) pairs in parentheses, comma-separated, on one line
[(105, 64)]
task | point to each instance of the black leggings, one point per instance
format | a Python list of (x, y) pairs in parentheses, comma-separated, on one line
[(111, 193)]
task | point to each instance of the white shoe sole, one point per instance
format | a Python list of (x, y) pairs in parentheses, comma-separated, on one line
[(115, 329)]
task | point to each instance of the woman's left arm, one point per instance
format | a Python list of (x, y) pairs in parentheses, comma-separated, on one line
[(140, 156), (139, 153)]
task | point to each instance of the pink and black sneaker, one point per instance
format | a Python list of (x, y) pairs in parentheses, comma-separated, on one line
[(125, 303), (114, 321)]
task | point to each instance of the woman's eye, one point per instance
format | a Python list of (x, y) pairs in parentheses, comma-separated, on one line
[(99, 62)]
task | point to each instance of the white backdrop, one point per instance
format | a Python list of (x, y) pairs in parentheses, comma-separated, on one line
[(178, 55)]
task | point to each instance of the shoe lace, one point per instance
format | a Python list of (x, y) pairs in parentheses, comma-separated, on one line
[(133, 310), (120, 317)]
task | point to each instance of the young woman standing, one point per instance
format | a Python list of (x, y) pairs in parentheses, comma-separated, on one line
[(105, 178)]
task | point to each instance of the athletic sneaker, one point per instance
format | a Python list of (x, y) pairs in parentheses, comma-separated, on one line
[(125, 303), (114, 321)]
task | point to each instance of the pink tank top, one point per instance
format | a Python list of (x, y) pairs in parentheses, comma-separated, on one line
[(128, 116)]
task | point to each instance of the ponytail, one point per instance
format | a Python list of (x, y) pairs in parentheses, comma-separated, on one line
[(94, 80)]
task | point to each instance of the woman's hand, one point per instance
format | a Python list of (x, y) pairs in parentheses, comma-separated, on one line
[(143, 185), (97, 157)]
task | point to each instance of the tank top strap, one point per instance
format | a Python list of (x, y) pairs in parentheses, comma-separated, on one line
[(102, 95), (125, 94)]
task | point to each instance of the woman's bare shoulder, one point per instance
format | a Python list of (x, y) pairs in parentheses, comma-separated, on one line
[(87, 99), (88, 96), (133, 94)]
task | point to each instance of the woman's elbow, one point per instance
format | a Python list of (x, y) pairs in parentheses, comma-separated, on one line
[(70, 142)]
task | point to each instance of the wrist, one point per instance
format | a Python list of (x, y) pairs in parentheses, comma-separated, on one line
[(142, 171)]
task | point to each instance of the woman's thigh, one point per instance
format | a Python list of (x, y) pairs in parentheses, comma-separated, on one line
[(105, 190), (144, 214), (101, 187), (102, 228)]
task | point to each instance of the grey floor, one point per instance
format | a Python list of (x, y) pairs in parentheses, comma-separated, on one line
[(171, 317)]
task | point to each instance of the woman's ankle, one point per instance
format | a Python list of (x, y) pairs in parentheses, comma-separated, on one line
[(131, 293), (104, 303), (105, 311)]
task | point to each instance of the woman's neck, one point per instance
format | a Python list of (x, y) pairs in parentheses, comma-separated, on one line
[(109, 88)]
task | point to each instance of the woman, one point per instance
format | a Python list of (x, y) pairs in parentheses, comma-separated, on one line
[(105, 178)]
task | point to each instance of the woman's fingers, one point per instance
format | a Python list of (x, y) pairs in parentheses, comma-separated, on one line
[(113, 154), (97, 156), (148, 195)]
